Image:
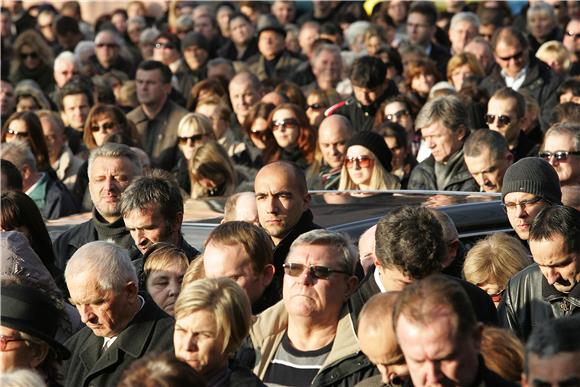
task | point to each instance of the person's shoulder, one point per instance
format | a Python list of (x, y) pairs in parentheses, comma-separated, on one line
[(242, 376)]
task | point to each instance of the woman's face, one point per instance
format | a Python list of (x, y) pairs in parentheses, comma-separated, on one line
[(26, 104), (540, 24), (18, 353), (219, 125), (399, 153), (103, 127), (315, 110), (164, 286), (286, 128), (29, 57), (17, 130), (422, 83), (459, 74), (360, 169), (198, 342), (373, 44), (494, 290), (189, 139), (259, 132)]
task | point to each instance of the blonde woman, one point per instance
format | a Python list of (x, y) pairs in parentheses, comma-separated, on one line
[(492, 261), (211, 171), (555, 55), (367, 164)]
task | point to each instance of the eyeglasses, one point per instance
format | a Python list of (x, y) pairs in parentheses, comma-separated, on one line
[(558, 155), (362, 161), (15, 133), (511, 206), (319, 272), (4, 340), (168, 45), (315, 106), (501, 119), (105, 127), (26, 55), (195, 138), (397, 115), (286, 123), (573, 34), (108, 45), (516, 56), (261, 134)]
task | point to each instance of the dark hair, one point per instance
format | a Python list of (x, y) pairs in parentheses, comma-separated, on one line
[(392, 129), (150, 65), (35, 135), (425, 8), (126, 127), (554, 221), (292, 92), (485, 139), (410, 239), (13, 177), (171, 38), (509, 35), (552, 337), (237, 15), (569, 85), (394, 57), (76, 86), (368, 72), (67, 25), (212, 85), (509, 93), (566, 112)]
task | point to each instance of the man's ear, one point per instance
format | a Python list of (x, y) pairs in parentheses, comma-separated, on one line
[(351, 286), (461, 132), (451, 252), (167, 88), (131, 290), (307, 199), (268, 275), (179, 220), (509, 157)]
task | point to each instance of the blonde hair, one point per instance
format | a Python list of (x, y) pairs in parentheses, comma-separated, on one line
[(495, 259), (555, 50), (380, 178), (211, 161), (164, 255), (226, 300), (196, 122)]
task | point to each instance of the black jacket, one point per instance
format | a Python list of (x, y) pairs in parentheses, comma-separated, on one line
[(541, 82), (529, 300), (440, 55), (151, 330), (229, 50), (59, 201), (459, 179)]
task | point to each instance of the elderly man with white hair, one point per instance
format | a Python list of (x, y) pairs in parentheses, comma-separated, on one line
[(463, 27), (122, 324)]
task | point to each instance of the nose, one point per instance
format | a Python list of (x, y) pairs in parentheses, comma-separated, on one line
[(520, 211), (191, 342), (552, 160), (431, 373), (552, 276), (86, 313), (271, 206), (173, 288)]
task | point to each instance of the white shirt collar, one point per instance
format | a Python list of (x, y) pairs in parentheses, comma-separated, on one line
[(515, 82), (377, 278)]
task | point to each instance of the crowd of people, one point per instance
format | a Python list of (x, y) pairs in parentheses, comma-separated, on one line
[(129, 115)]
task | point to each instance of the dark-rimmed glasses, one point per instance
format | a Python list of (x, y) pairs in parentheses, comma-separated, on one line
[(558, 155), (397, 115), (5, 340), (511, 206), (362, 161), (286, 123), (105, 127), (319, 272), (501, 119)]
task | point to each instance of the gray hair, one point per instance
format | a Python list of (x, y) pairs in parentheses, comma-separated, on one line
[(116, 151), (109, 264), (22, 377), (464, 16), (325, 47), (356, 29), (542, 7), (18, 153), (448, 110), (148, 35), (137, 20), (347, 254), (184, 22), (67, 56), (115, 36), (553, 337), (483, 139), (83, 49), (565, 128), (221, 61)]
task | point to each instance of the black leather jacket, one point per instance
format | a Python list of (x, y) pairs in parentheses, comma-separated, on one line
[(529, 300)]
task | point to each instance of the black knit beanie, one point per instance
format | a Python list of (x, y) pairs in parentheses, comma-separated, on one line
[(532, 175), (376, 144)]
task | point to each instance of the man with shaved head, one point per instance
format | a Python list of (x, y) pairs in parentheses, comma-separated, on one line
[(333, 134)]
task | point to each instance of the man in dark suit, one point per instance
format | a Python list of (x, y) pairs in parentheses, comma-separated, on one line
[(157, 117), (122, 325)]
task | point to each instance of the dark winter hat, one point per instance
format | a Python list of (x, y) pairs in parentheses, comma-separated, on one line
[(194, 39), (532, 175), (376, 144), (270, 23), (27, 310)]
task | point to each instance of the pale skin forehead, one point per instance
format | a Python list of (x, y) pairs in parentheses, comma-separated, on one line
[(277, 169)]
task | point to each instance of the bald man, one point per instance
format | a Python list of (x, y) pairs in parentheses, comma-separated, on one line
[(333, 134), (366, 248)]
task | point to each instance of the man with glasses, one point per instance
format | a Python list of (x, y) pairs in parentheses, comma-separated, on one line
[(561, 148), (549, 288), (528, 186), (518, 71), (506, 113), (108, 54)]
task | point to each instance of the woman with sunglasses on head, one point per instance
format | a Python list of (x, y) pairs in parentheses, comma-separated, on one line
[(32, 59), (367, 164)]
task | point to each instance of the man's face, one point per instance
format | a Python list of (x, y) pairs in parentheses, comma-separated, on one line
[(381, 348), (521, 218), (540, 24), (463, 32), (442, 142), (572, 36), (105, 312), (393, 279), (568, 169), (279, 200), (436, 355), (243, 96), (285, 11), (327, 67), (270, 44), (311, 297), (150, 87), (76, 109), (241, 31), (482, 54), (54, 137), (487, 170), (165, 51), (504, 109), (64, 71), (306, 37), (106, 49), (512, 58), (232, 261), (561, 269), (7, 98), (332, 141), (108, 178), (560, 369), (418, 29), (204, 26), (195, 57), (367, 96), (149, 226)]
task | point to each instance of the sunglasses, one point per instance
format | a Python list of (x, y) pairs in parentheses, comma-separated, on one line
[(108, 45), (573, 34), (286, 123), (168, 45), (4, 340), (516, 56), (195, 138), (15, 133), (397, 115), (362, 161), (318, 272), (511, 206), (105, 127), (315, 106), (31, 55), (558, 155), (501, 119), (262, 134)]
